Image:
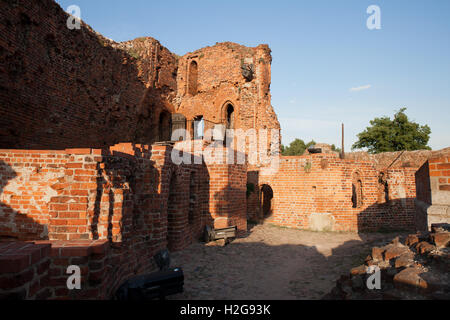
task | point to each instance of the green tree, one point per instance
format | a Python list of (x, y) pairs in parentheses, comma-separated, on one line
[(296, 148), (398, 134)]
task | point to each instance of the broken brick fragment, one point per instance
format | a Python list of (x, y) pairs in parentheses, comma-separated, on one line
[(441, 239), (410, 279)]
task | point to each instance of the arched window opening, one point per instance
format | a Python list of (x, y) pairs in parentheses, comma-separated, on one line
[(164, 127), (198, 127), (230, 117), (383, 188), (193, 78), (357, 194)]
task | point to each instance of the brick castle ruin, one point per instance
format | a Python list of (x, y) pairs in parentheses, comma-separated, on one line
[(87, 178)]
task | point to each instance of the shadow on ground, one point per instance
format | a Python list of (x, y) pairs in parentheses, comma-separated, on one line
[(273, 263)]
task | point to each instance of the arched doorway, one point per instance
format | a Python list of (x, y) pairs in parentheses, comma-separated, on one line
[(266, 201)]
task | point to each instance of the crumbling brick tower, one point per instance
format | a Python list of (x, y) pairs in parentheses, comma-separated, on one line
[(229, 85), (226, 84)]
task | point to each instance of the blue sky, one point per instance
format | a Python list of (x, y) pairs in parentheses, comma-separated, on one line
[(321, 50)]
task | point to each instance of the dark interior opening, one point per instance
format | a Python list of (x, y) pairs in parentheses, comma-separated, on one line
[(230, 117), (266, 200), (164, 127)]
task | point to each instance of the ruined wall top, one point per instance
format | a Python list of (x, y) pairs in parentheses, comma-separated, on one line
[(156, 64), (212, 79), (225, 62), (398, 159)]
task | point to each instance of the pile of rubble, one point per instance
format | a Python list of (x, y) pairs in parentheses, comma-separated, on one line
[(418, 268)]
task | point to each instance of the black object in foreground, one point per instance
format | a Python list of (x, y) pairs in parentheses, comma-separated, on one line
[(216, 234), (157, 285)]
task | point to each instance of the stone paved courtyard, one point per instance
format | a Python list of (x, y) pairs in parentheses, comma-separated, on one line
[(272, 263)]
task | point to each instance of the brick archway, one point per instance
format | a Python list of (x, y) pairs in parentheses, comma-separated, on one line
[(266, 201), (226, 115)]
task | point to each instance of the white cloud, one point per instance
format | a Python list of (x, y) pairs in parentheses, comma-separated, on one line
[(361, 88)]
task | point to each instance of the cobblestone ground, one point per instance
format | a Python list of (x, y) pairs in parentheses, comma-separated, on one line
[(272, 263)]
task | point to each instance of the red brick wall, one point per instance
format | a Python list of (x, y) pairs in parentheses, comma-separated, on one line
[(107, 211), (440, 168), (398, 213), (220, 82), (93, 194), (62, 88), (38, 270), (98, 276), (253, 199), (423, 188), (326, 188), (29, 181), (175, 191), (69, 209), (24, 271), (433, 192), (227, 194)]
